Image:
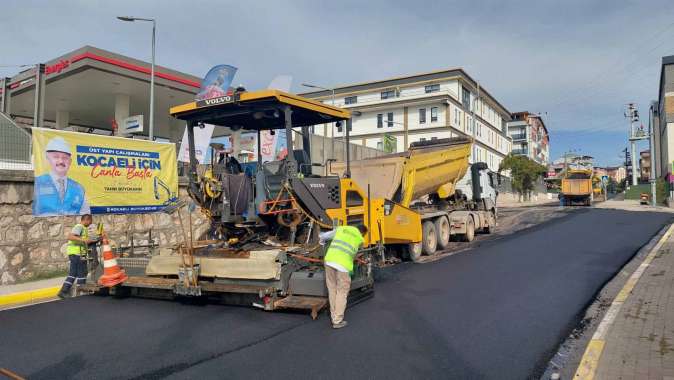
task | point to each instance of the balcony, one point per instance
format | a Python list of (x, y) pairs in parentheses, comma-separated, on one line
[(520, 152), (521, 136)]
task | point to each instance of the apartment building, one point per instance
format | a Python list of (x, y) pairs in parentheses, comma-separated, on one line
[(390, 114), (663, 121), (530, 137)]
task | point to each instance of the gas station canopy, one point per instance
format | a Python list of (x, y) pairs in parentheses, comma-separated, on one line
[(88, 88)]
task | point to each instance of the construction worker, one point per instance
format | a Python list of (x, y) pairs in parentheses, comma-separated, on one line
[(55, 193), (77, 250), (346, 240)]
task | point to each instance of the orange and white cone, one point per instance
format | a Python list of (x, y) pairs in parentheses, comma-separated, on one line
[(112, 273)]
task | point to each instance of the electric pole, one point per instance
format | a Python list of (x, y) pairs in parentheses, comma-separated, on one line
[(635, 134), (651, 143), (627, 167)]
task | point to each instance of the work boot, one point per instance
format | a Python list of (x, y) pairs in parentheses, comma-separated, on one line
[(340, 325), (62, 294)]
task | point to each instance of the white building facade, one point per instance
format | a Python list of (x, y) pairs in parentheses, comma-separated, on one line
[(530, 137), (422, 107)]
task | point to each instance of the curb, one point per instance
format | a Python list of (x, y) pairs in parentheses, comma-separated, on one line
[(29, 296), (590, 360)]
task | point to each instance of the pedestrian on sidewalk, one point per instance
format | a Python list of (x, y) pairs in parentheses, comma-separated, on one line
[(77, 250), (346, 240)]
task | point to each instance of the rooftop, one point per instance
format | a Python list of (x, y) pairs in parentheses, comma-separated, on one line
[(408, 79)]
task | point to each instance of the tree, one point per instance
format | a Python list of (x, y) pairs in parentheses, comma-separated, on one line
[(524, 172)]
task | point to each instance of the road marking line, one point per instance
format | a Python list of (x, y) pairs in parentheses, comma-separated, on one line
[(29, 296), (590, 360)]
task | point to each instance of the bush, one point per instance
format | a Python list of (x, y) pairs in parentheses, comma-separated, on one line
[(661, 190), (524, 172)]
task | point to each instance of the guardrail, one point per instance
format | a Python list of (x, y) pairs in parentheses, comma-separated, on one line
[(15, 145)]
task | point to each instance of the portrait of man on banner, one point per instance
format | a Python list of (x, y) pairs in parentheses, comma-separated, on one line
[(54, 192)]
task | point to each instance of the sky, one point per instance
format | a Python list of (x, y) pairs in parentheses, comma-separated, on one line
[(577, 62)]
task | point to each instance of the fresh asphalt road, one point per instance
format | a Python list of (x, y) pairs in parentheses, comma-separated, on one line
[(496, 311)]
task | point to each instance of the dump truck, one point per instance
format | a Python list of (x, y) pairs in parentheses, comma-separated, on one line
[(577, 188), (448, 198), (263, 246)]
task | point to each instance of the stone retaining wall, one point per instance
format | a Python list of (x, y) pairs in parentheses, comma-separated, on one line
[(31, 247)]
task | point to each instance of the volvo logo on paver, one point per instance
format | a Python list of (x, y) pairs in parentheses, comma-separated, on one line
[(214, 101)]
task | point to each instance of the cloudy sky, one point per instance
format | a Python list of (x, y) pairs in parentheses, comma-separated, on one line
[(577, 62)]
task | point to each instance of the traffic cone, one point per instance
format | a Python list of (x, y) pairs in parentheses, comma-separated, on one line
[(112, 273)]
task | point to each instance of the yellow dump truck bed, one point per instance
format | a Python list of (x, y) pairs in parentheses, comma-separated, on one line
[(577, 183), (426, 168)]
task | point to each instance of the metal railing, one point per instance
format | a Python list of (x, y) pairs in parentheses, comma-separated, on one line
[(522, 136), (521, 152), (15, 145)]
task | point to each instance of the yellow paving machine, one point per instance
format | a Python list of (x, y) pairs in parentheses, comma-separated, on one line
[(263, 246)]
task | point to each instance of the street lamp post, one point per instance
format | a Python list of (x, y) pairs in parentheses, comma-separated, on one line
[(332, 90), (154, 27)]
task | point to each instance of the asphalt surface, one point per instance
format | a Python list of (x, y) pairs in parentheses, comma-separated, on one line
[(498, 310)]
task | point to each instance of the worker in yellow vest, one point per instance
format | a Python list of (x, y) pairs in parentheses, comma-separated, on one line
[(77, 249), (346, 240)]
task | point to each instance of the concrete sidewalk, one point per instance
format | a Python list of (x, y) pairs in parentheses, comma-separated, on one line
[(635, 339), (29, 292)]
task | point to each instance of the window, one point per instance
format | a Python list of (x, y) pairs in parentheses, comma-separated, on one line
[(465, 98), (422, 139), (380, 120), (351, 100), (434, 114), (422, 115), (380, 145), (388, 94), (433, 138), (432, 88), (389, 119), (353, 199), (456, 116), (340, 124)]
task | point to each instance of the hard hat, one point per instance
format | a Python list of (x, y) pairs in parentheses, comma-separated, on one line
[(58, 144)]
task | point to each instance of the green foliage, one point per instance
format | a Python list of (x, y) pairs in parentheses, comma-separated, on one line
[(524, 172), (635, 191), (661, 190)]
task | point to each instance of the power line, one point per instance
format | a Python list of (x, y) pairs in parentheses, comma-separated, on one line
[(604, 74)]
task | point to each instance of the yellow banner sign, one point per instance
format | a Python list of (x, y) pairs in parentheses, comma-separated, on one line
[(81, 173)]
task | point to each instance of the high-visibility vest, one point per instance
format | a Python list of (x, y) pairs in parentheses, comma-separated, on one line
[(344, 247), (77, 247)]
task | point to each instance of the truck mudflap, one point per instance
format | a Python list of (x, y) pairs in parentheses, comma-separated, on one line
[(458, 221)]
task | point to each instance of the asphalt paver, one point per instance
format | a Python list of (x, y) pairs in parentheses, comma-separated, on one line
[(498, 310)]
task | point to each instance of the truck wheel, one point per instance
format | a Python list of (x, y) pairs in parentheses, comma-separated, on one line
[(470, 230), (429, 238), (442, 229), (412, 251)]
